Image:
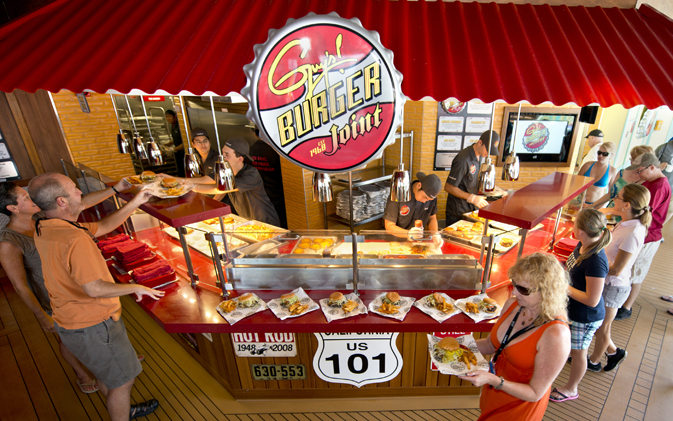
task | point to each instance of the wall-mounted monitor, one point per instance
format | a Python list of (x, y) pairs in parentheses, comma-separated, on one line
[(545, 137)]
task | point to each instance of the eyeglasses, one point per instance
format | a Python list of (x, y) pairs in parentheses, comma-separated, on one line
[(521, 290), (603, 153), (617, 197)]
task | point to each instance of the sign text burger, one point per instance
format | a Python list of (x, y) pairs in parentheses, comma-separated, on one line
[(324, 92)]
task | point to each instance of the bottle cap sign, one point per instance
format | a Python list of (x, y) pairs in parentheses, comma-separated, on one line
[(324, 93)]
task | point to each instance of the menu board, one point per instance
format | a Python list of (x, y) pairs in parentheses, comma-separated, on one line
[(459, 125), (8, 169)]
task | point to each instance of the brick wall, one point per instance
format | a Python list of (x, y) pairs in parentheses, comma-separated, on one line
[(92, 137)]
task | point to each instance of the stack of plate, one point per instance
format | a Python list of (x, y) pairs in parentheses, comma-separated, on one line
[(376, 198), (360, 208)]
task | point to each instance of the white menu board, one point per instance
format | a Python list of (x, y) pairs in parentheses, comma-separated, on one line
[(478, 124), (444, 160), (470, 140), (478, 108), (451, 124), (449, 142)]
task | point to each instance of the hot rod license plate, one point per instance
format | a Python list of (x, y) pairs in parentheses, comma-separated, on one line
[(278, 371), (260, 344)]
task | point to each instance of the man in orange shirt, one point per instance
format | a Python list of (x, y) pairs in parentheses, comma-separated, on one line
[(84, 296)]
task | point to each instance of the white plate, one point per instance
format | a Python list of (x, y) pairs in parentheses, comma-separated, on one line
[(405, 305), (480, 315), (284, 313), (440, 316), (458, 368), (336, 313), (241, 313)]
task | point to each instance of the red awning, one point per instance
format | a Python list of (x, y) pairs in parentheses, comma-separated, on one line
[(538, 53)]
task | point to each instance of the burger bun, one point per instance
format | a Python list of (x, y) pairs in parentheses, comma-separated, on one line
[(448, 344), (393, 297)]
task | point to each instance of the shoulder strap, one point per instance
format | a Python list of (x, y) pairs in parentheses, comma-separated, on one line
[(507, 339)]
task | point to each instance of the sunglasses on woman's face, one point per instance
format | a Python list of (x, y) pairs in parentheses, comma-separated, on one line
[(603, 153), (521, 290)]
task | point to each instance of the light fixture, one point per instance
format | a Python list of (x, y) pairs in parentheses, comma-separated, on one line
[(400, 183), (224, 174), (154, 152), (138, 145), (193, 162), (322, 187), (510, 170), (123, 142)]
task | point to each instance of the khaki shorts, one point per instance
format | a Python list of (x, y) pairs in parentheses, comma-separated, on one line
[(615, 297), (643, 261), (105, 350)]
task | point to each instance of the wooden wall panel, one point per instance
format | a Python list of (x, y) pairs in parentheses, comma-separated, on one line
[(11, 132)]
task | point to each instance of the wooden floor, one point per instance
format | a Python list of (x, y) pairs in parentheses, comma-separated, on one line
[(37, 384)]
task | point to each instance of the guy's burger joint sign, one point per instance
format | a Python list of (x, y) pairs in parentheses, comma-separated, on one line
[(324, 93)]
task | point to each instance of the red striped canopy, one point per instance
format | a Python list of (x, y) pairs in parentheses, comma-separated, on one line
[(489, 51)]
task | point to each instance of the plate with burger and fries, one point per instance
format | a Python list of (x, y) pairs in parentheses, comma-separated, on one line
[(293, 304), (437, 305), (239, 308), (390, 304), (339, 306), (479, 307), (456, 356)]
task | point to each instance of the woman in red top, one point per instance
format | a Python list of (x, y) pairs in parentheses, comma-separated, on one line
[(529, 361)]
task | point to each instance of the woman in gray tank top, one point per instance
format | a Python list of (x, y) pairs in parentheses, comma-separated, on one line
[(20, 259)]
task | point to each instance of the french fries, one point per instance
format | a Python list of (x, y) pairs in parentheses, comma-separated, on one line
[(444, 307), (134, 179), (349, 306), (471, 307), (175, 191), (469, 358), (388, 308), (228, 306), (297, 308)]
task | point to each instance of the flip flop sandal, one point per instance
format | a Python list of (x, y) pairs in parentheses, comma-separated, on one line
[(670, 312), (88, 387), (563, 397), (141, 357), (142, 409), (668, 298)]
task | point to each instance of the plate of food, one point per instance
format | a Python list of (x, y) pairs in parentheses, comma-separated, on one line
[(146, 177), (479, 307), (293, 304), (339, 306), (390, 304), (239, 308), (437, 305), (257, 231), (456, 356), (313, 245), (465, 230), (170, 187)]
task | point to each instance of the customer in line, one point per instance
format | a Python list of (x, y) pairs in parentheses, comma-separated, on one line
[(623, 178), (602, 171), (84, 297), (530, 341), (647, 167), (588, 266)]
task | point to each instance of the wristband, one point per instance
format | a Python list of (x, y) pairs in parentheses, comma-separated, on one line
[(114, 190), (502, 382)]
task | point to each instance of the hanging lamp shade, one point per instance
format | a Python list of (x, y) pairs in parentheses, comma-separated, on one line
[(400, 185), (322, 187), (224, 175)]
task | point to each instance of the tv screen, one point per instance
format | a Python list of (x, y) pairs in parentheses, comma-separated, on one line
[(543, 137)]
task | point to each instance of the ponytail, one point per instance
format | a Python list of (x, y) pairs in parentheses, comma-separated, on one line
[(594, 224), (638, 196)]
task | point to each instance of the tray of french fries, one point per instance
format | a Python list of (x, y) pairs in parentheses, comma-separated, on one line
[(239, 308), (254, 231), (464, 359), (479, 307), (196, 239), (352, 306), (437, 305), (391, 304), (294, 304)]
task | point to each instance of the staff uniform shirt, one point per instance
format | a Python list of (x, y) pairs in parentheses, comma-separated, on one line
[(630, 237), (71, 259), (660, 198), (250, 200), (464, 174), (267, 162), (595, 266), (209, 163), (405, 214)]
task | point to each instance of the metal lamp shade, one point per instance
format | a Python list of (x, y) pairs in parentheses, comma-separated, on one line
[(193, 164), (486, 177), (400, 185), (154, 153), (510, 171), (224, 175), (123, 144), (139, 147), (322, 187)]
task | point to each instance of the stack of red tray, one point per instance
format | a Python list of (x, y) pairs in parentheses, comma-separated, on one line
[(109, 246), (564, 248), (132, 254), (154, 274)]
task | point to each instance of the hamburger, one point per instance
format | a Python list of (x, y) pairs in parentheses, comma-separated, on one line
[(392, 298), (286, 300), (434, 299), (148, 176), (447, 350), (247, 300), (336, 299), (169, 183), (488, 305)]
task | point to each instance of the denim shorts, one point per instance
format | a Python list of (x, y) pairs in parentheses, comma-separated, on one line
[(581, 334), (615, 297), (105, 350)]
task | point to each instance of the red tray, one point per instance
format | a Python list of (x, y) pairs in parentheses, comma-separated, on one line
[(138, 263), (151, 283)]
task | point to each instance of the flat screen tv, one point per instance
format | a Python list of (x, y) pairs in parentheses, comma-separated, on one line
[(545, 137)]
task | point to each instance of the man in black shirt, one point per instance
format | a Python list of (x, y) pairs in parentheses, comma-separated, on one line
[(267, 162), (463, 179), (400, 217)]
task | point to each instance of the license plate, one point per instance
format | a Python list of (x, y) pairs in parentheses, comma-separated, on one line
[(278, 371)]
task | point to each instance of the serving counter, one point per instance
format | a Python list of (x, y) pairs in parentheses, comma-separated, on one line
[(243, 356)]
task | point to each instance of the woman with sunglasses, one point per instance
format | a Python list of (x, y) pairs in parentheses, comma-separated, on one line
[(601, 171), (530, 342), (588, 267), (623, 178), (628, 238)]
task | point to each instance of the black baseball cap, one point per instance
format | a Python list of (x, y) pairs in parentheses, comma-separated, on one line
[(430, 184), (239, 145), (595, 132), (495, 141), (198, 131)]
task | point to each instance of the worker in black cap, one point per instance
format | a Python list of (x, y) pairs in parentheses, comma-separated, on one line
[(594, 140), (401, 217), (201, 143), (462, 182)]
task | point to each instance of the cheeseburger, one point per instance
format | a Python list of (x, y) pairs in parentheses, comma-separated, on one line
[(247, 300), (447, 350), (286, 300), (392, 298), (169, 183), (336, 299), (488, 305), (434, 299), (148, 176)]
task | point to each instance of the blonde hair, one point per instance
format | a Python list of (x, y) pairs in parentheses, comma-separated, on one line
[(546, 275), (594, 224), (639, 198), (636, 151), (609, 147)]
